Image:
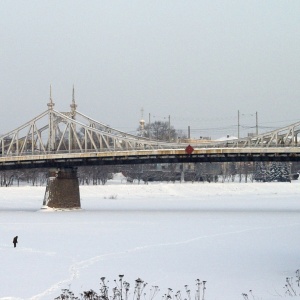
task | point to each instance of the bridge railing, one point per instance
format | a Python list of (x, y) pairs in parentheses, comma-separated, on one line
[(153, 148)]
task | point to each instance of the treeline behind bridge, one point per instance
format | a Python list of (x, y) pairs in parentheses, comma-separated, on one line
[(194, 172)]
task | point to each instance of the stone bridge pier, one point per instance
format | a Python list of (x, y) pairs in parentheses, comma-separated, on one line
[(62, 190)]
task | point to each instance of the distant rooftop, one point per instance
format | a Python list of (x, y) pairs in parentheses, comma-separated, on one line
[(228, 137)]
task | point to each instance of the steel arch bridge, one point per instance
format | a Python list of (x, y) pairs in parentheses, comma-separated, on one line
[(60, 139)]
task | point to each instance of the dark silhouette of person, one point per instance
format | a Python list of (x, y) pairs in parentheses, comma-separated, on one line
[(15, 241)]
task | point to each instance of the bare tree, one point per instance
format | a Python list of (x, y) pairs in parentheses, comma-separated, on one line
[(160, 131)]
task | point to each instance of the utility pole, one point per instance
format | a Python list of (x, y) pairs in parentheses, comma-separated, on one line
[(149, 125), (256, 123), (238, 124), (169, 128)]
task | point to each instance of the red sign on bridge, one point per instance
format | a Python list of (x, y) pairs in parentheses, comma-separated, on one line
[(189, 149)]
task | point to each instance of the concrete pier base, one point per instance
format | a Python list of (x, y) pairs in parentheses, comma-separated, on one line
[(62, 189)]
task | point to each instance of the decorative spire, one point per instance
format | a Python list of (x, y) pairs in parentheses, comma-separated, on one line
[(73, 105), (51, 103), (142, 121)]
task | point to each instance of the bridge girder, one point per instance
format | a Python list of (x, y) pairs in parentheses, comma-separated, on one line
[(140, 157)]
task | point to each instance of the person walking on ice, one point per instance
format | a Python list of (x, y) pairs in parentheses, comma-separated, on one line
[(15, 241)]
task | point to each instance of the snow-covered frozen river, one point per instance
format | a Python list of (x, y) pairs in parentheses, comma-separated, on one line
[(236, 236)]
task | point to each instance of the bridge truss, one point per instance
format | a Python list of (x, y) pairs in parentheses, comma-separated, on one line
[(54, 132), (56, 138), (283, 137)]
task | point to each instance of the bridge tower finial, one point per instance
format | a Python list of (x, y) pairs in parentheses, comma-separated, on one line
[(142, 123), (73, 105), (51, 103)]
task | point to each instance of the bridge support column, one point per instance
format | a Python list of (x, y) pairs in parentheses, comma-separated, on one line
[(62, 189)]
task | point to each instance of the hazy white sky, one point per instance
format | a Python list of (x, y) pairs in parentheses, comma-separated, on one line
[(197, 61)]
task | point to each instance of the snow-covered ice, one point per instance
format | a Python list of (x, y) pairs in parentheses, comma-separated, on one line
[(236, 236)]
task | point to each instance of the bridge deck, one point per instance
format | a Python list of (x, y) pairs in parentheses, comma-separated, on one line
[(150, 156)]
